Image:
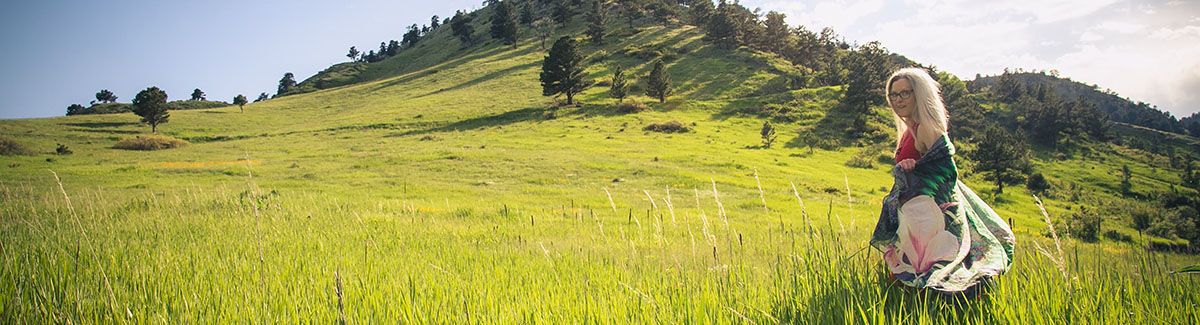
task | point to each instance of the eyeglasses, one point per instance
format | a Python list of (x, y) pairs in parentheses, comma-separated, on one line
[(900, 95)]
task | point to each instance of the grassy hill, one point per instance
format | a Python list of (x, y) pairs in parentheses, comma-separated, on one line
[(440, 186)]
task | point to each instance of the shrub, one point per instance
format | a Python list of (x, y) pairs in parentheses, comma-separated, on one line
[(1117, 236), (1084, 225), (1037, 183), (667, 127), (62, 149), (631, 107), (150, 142), (9, 147)]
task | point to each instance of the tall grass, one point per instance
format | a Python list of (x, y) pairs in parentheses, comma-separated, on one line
[(204, 256)]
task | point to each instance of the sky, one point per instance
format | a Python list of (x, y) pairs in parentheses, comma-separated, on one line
[(58, 52)]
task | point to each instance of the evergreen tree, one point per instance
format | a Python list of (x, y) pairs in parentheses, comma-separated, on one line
[(1037, 183), (633, 9), (261, 97), (460, 25), (433, 22), (504, 23), (768, 134), (543, 27), (393, 48), (869, 66), (240, 101), (1008, 88), (597, 18), (778, 34), (151, 105), (1000, 157), (562, 12), (105, 96), (1126, 187), (410, 37), (353, 55), (562, 69), (75, 109), (197, 94), (659, 85), (285, 84), (722, 30), (620, 87), (527, 17), (699, 11)]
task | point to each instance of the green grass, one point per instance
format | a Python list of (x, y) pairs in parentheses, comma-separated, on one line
[(439, 194)]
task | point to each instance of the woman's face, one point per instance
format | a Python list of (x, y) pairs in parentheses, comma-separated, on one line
[(901, 97)]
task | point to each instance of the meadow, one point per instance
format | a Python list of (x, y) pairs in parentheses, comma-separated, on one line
[(455, 193)]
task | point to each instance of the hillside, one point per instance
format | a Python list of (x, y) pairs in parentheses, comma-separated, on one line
[(1119, 109), (440, 186)]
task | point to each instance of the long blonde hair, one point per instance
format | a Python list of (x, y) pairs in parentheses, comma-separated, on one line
[(929, 113)]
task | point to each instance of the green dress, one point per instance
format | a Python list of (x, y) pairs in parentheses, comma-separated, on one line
[(946, 250)]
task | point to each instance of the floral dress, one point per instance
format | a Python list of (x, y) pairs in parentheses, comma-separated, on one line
[(925, 246)]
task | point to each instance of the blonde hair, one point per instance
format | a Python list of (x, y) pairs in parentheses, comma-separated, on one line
[(929, 113)]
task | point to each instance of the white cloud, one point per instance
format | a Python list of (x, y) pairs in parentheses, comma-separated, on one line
[(1089, 36), (1121, 27), (1176, 34)]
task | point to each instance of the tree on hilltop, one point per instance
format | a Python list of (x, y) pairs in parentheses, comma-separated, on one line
[(151, 105), (659, 85), (460, 26), (240, 101), (353, 55), (75, 109), (411, 37), (433, 22), (562, 69), (105, 96), (261, 97), (287, 83), (197, 94)]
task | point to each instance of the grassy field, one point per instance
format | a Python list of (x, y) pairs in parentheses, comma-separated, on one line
[(448, 194)]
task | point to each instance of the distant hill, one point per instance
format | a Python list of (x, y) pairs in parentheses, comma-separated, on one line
[(1119, 109)]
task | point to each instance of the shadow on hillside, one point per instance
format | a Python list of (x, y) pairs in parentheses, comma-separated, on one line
[(835, 129), (96, 125), (104, 127), (502, 119), (476, 81), (467, 57)]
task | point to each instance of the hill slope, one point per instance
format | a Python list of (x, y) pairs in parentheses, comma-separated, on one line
[(450, 190)]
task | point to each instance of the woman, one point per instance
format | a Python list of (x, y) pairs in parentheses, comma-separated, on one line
[(934, 232)]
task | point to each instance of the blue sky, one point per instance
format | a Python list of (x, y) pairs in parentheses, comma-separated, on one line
[(60, 52)]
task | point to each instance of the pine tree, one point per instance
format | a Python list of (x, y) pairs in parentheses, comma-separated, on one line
[(1000, 157), (75, 109), (768, 134), (197, 94), (460, 25), (434, 22), (562, 69), (700, 11), (597, 18), (527, 17), (504, 23), (778, 35), (620, 87), (1126, 187), (869, 66), (105, 96), (660, 82), (151, 105), (562, 12), (261, 97), (353, 54), (240, 101), (285, 84)]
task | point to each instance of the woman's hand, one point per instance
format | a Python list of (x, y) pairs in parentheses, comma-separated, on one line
[(907, 164)]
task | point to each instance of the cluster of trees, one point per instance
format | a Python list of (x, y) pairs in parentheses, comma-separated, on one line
[(563, 74), (391, 48), (1047, 119)]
